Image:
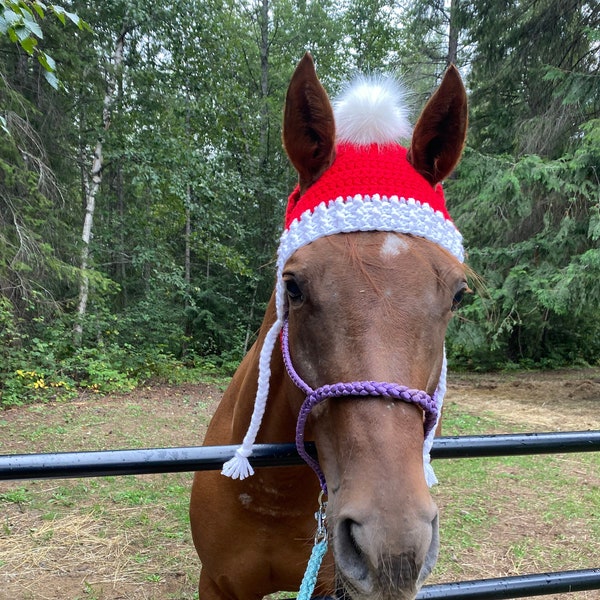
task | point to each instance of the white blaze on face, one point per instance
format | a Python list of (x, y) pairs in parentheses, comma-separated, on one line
[(393, 246)]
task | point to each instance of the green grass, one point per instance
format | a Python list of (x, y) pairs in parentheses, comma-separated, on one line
[(19, 495), (457, 422), (530, 512), (520, 514)]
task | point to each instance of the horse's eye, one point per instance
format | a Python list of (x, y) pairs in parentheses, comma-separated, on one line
[(458, 297), (293, 290)]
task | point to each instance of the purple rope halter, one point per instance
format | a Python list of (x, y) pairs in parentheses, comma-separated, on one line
[(394, 391)]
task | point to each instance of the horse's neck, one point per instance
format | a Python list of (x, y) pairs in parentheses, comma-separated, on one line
[(285, 492), (279, 421)]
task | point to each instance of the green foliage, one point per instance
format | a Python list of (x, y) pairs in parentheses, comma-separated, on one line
[(534, 73), (194, 178), (533, 230), (22, 387), (19, 21), (52, 369)]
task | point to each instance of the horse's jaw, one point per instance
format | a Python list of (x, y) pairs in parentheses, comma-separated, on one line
[(347, 591)]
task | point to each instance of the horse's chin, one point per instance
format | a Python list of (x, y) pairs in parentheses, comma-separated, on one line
[(346, 590)]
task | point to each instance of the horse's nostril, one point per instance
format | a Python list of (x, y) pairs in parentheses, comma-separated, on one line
[(349, 554)]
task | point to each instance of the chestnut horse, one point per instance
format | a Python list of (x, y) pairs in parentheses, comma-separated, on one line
[(356, 303)]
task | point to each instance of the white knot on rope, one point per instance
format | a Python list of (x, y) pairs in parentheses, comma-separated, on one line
[(372, 110)]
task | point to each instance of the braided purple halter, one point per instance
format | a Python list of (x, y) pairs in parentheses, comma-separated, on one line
[(422, 399)]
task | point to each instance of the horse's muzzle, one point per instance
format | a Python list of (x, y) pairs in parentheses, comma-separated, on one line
[(367, 569)]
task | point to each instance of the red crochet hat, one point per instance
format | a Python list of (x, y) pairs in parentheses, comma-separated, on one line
[(369, 188), (367, 171)]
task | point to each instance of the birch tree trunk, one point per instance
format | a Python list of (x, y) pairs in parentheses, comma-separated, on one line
[(264, 81), (188, 207), (91, 189)]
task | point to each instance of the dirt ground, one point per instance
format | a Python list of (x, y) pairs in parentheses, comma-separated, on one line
[(87, 554), (562, 400)]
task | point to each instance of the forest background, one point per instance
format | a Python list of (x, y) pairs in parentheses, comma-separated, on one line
[(143, 182)]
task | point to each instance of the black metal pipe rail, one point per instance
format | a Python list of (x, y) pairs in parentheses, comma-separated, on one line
[(203, 458), (518, 586)]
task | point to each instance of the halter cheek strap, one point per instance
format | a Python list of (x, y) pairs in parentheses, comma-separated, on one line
[(423, 400)]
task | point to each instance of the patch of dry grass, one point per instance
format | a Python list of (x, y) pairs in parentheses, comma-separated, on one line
[(93, 555), (66, 544)]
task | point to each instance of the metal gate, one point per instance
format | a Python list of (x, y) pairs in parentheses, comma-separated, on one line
[(170, 460)]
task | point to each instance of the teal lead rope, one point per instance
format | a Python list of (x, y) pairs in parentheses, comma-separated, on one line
[(318, 552), (312, 570)]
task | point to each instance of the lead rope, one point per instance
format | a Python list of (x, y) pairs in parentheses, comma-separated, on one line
[(318, 552)]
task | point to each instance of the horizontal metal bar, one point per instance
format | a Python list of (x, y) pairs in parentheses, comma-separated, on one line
[(515, 444), (60, 465), (145, 461), (517, 586), (166, 460)]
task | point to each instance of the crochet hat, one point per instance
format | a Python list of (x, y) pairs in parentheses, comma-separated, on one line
[(370, 186)]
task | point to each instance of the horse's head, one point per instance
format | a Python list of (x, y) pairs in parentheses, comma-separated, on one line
[(369, 271), (370, 283)]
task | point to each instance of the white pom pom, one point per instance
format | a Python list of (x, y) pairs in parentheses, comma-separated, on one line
[(372, 110)]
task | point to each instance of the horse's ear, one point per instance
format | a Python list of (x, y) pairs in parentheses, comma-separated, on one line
[(440, 132), (308, 124)]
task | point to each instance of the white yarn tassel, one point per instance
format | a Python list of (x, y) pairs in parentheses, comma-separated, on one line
[(440, 392), (239, 466)]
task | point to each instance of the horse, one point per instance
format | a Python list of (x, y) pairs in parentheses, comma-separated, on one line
[(370, 271)]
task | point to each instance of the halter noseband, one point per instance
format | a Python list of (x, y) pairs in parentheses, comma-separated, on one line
[(420, 398)]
